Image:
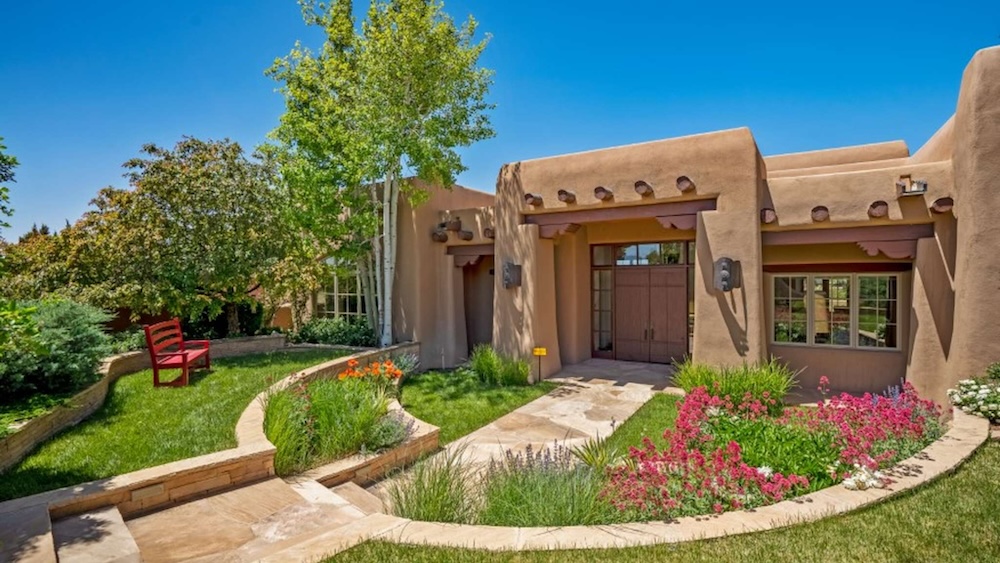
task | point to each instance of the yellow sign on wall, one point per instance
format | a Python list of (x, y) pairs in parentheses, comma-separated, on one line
[(540, 352)]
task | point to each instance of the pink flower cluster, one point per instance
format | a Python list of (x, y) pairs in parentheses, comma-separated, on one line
[(683, 480), (868, 428)]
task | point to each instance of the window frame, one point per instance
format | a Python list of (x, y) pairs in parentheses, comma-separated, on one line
[(855, 304), (333, 290)]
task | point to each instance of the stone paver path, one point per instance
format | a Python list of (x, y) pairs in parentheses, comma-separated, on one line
[(594, 397)]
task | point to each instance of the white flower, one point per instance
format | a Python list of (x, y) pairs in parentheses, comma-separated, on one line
[(765, 471), (850, 484), (713, 412)]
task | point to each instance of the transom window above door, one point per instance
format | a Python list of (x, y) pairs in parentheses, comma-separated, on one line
[(644, 254)]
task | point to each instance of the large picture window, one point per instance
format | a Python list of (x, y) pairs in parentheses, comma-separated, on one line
[(845, 310), (343, 297)]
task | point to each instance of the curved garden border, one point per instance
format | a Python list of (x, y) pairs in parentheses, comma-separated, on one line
[(155, 488), (966, 435)]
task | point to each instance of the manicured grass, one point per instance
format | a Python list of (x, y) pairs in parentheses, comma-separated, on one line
[(458, 402), (954, 519), (141, 426), (651, 420)]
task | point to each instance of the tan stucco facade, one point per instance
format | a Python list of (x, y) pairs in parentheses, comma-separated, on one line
[(831, 212)]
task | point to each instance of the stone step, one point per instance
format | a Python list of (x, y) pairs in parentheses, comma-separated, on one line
[(320, 544), (99, 536), (316, 493), (26, 535), (360, 498)]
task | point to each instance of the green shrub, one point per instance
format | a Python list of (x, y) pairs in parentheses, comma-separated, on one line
[(345, 413), (437, 489), (341, 331), (391, 429), (993, 371), (771, 378), (63, 356), (545, 488), (128, 340), (493, 369), (597, 453)]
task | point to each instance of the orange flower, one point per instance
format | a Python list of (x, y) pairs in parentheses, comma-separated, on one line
[(352, 363)]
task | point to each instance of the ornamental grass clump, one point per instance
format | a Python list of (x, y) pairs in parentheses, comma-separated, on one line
[(548, 487), (496, 370), (437, 489), (768, 382)]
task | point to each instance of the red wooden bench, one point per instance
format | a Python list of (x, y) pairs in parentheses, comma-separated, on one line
[(169, 350)]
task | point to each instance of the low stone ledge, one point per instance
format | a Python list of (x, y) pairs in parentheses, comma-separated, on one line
[(944, 456)]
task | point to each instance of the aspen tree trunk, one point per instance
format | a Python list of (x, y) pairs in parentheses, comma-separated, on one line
[(390, 201), (377, 269), (364, 272)]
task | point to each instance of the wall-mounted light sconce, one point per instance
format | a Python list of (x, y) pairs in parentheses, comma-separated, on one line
[(728, 274), (511, 275)]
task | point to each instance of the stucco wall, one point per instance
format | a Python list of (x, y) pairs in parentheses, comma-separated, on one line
[(833, 157), (430, 303), (977, 173)]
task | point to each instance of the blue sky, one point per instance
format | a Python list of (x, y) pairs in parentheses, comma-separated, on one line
[(84, 84)]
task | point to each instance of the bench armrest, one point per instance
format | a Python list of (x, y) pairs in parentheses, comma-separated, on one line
[(197, 343)]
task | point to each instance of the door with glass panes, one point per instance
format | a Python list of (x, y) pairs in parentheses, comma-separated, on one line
[(642, 302)]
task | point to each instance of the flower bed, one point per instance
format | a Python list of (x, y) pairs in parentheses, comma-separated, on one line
[(722, 454), (311, 423)]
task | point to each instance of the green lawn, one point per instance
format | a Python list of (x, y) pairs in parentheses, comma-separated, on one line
[(651, 420), (458, 403), (956, 518), (141, 426)]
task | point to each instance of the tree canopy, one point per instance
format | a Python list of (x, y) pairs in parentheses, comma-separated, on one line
[(370, 109), (7, 165)]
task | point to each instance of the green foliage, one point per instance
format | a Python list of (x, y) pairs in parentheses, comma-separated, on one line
[(142, 426), (993, 371), (7, 165), (341, 331), (770, 379), (457, 402), (494, 369), (65, 354), (597, 453), (327, 420), (546, 488), (437, 489), (286, 425), (658, 414), (787, 449), (128, 340)]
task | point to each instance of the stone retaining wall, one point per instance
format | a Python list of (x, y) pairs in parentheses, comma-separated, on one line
[(251, 461), (16, 446)]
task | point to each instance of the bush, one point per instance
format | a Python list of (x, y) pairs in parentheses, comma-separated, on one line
[(210, 327), (762, 381), (341, 331), (129, 340), (979, 398), (63, 356), (493, 369), (437, 489)]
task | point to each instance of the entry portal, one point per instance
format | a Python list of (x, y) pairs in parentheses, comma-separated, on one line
[(651, 313), (642, 302)]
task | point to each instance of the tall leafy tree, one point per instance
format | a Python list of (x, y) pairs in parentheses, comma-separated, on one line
[(200, 230), (369, 111)]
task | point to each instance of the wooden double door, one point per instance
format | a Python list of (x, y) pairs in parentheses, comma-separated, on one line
[(651, 314)]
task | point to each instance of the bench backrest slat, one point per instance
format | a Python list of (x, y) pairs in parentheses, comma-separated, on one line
[(161, 336)]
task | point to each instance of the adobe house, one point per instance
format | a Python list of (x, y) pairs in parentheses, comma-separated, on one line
[(867, 264)]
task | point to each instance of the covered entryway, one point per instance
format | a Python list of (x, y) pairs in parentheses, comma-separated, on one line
[(642, 301)]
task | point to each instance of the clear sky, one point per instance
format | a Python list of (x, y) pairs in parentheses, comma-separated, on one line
[(84, 84)]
